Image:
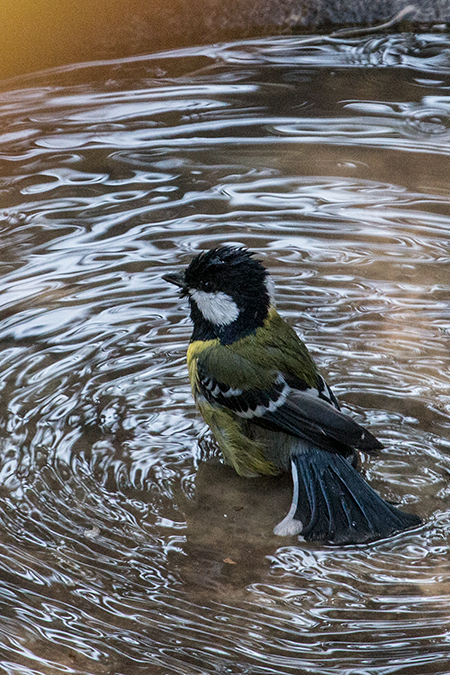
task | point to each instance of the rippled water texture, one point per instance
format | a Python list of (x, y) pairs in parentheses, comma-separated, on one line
[(121, 549)]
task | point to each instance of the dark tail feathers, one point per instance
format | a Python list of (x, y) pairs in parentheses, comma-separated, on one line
[(333, 503)]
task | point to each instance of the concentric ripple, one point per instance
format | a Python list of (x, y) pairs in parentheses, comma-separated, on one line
[(121, 549)]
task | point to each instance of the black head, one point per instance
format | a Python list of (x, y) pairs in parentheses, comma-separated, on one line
[(228, 291)]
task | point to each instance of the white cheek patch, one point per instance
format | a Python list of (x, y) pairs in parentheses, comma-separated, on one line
[(218, 308)]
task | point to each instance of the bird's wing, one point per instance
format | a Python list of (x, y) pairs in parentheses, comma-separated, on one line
[(281, 402), (305, 415)]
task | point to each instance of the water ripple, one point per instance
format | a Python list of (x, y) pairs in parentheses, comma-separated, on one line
[(120, 547)]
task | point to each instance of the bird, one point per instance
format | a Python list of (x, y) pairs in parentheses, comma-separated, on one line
[(268, 407)]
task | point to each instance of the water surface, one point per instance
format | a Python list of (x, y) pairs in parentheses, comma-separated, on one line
[(125, 546)]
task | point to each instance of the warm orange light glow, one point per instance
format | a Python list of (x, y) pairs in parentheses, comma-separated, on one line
[(38, 34)]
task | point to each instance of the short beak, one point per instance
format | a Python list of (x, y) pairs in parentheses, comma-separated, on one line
[(176, 278)]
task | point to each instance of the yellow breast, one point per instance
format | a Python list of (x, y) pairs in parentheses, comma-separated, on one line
[(193, 352), (241, 451)]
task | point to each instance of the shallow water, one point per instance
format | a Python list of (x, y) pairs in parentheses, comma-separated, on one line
[(122, 550)]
